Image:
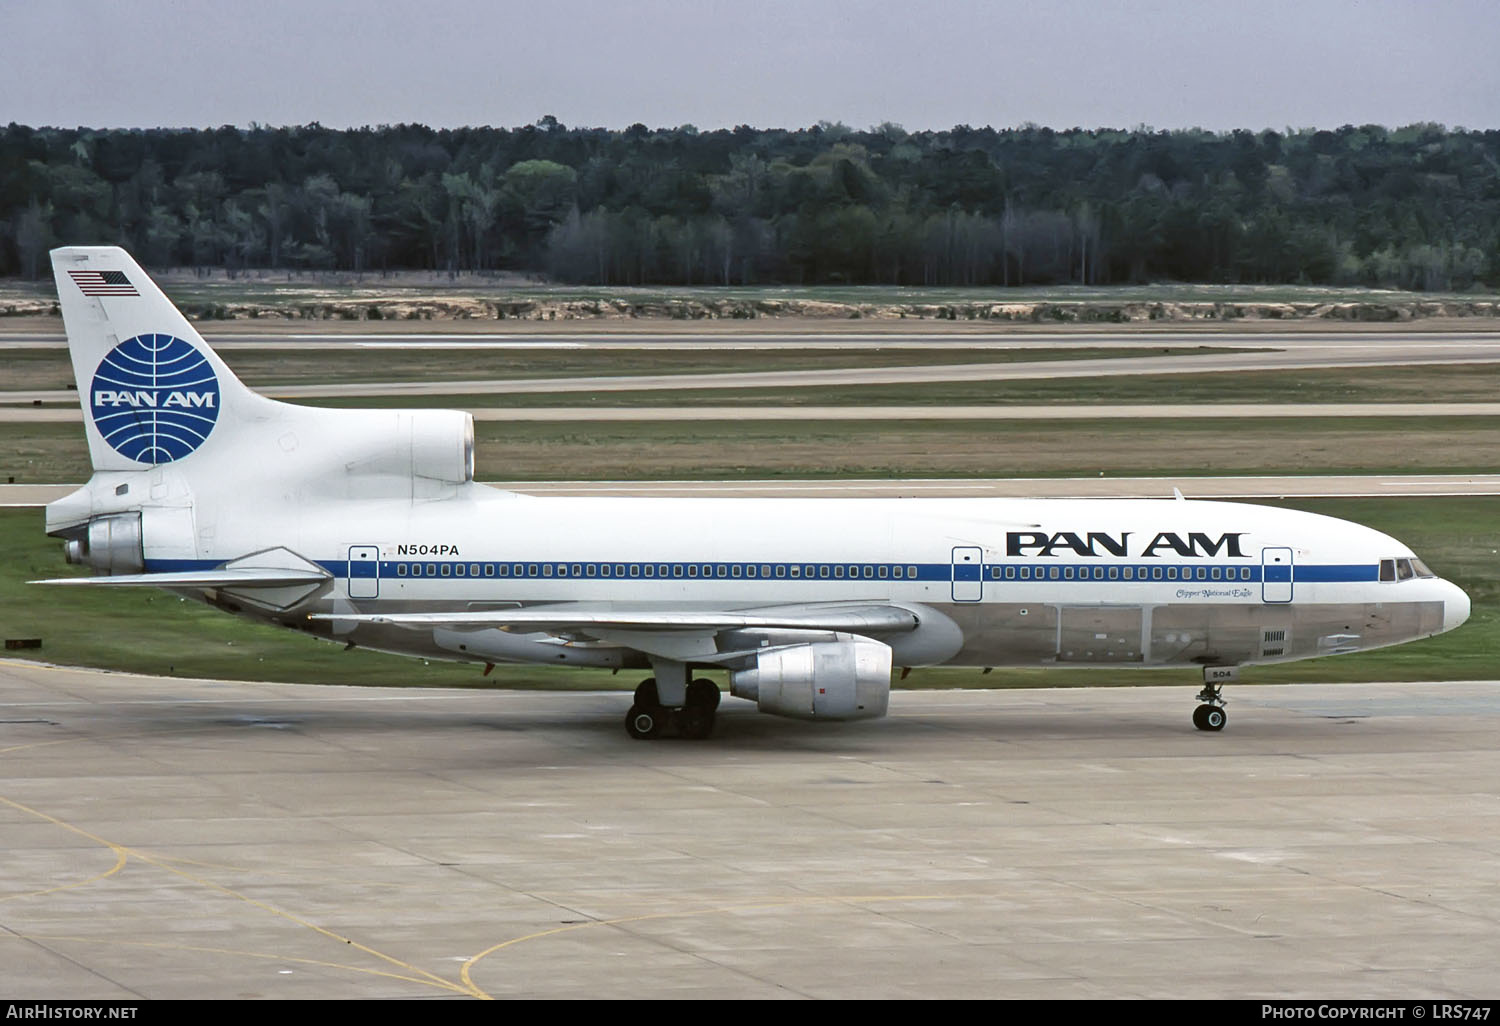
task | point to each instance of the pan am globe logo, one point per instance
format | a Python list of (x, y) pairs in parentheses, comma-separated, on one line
[(154, 398)]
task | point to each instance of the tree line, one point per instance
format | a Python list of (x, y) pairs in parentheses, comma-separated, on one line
[(1414, 207)]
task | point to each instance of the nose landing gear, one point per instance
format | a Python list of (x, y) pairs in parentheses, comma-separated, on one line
[(1210, 714)]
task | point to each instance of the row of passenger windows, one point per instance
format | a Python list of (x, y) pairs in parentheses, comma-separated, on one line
[(1116, 573), (835, 571), (821, 571)]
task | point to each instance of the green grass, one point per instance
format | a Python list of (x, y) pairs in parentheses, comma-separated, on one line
[(153, 632), (670, 450)]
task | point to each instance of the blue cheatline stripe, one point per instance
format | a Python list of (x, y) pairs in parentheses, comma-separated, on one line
[(1335, 572), (1014, 573)]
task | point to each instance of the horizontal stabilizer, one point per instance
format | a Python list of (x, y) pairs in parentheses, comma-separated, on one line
[(243, 577), (857, 619)]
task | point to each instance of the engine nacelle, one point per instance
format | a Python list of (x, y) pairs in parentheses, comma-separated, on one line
[(845, 679), (108, 545)]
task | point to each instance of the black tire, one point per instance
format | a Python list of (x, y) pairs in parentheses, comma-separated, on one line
[(645, 692), (703, 692), (1200, 719), (695, 722), (645, 722)]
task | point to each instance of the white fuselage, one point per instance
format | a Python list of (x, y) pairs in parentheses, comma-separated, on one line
[(1013, 582)]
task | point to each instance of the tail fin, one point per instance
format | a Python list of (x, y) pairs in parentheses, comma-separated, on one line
[(152, 391)]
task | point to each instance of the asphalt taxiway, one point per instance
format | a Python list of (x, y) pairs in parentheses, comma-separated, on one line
[(168, 838)]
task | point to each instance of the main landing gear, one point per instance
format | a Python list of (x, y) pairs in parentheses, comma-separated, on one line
[(1210, 714), (694, 719)]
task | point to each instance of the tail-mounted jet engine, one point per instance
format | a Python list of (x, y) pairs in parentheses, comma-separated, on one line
[(108, 545)]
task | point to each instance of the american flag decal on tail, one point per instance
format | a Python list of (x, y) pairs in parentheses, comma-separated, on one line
[(103, 283)]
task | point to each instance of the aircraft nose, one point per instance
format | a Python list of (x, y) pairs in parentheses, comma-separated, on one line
[(1455, 606)]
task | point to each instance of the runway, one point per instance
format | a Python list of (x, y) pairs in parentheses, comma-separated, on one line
[(172, 839), (1276, 353), (1273, 487)]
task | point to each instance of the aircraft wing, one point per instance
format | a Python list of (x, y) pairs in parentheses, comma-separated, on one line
[(225, 577), (862, 618)]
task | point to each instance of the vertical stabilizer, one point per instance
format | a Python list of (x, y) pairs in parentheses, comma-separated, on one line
[(152, 391)]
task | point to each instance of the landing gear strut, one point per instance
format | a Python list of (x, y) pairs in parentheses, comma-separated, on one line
[(1210, 714), (694, 719)]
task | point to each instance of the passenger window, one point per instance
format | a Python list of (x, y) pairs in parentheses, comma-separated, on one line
[(1114, 573)]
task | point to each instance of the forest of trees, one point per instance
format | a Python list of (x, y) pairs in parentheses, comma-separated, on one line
[(1415, 207)]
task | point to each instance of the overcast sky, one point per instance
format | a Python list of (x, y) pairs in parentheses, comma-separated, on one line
[(768, 63)]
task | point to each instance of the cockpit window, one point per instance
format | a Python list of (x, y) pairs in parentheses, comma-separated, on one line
[(1404, 568)]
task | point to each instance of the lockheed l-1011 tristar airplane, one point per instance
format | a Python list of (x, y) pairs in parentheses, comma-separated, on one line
[(367, 527)]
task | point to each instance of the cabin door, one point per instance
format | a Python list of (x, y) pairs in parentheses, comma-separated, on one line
[(364, 571), (968, 570), (1276, 575)]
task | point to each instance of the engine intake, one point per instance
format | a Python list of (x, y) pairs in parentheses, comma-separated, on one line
[(844, 679)]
